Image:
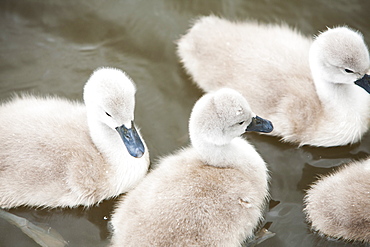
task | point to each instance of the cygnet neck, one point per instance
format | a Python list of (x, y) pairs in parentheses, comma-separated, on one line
[(108, 142), (218, 155)]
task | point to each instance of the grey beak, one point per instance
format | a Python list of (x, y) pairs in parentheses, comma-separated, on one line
[(132, 141), (259, 124), (364, 82)]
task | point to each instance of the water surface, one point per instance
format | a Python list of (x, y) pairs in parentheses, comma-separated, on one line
[(52, 47)]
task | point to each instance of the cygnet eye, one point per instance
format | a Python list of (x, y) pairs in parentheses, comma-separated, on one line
[(108, 114), (240, 123), (348, 71)]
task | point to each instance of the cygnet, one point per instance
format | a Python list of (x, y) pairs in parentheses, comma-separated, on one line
[(313, 91), (211, 193), (60, 153), (338, 205)]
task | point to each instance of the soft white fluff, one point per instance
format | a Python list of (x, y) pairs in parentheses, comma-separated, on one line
[(55, 152), (208, 194), (300, 85), (338, 205)]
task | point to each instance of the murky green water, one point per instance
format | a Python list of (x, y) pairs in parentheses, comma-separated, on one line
[(51, 47)]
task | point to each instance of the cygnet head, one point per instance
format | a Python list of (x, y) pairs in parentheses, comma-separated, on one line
[(220, 116), (340, 55), (109, 97)]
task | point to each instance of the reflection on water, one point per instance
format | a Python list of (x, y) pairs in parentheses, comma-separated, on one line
[(52, 47)]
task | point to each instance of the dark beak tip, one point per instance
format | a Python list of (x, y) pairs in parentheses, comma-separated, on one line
[(139, 154), (270, 127), (136, 153), (260, 125), (267, 129), (364, 82)]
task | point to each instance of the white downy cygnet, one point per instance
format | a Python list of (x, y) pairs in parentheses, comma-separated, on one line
[(59, 153), (313, 91), (211, 193), (338, 205)]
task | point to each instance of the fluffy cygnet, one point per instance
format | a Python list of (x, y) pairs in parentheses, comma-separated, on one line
[(338, 205), (208, 194), (55, 152), (313, 92)]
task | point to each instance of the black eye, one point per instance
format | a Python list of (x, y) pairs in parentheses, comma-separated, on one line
[(348, 70), (240, 123), (108, 114)]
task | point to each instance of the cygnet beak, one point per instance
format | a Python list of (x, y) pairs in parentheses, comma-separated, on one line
[(364, 82), (259, 124), (132, 140)]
